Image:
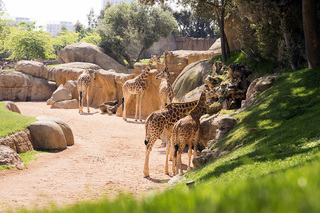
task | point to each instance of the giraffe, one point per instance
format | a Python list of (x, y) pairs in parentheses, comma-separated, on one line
[(187, 129), (137, 86), (83, 85), (162, 121), (165, 88)]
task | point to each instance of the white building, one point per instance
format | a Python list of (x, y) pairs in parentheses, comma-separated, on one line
[(55, 27)]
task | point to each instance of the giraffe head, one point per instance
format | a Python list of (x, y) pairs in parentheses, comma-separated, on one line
[(90, 71), (164, 74)]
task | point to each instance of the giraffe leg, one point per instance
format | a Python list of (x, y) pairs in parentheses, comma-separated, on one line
[(189, 154), (137, 106), (195, 146), (80, 102), (140, 105), (88, 99), (125, 101), (168, 145), (149, 146), (179, 166)]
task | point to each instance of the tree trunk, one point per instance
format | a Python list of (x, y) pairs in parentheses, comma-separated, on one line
[(222, 34), (141, 53), (311, 33), (127, 58)]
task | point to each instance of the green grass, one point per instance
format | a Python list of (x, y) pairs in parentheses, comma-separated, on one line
[(276, 168), (12, 122), (145, 61)]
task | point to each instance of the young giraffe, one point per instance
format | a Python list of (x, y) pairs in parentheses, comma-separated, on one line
[(162, 121), (137, 86), (83, 85), (187, 129), (165, 88)]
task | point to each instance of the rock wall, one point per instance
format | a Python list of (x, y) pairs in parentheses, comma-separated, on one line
[(19, 142), (24, 87), (85, 52), (172, 43)]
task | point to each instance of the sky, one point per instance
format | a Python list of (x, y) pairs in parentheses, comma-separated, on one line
[(43, 11)]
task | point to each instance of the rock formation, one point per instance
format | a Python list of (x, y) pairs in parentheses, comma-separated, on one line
[(86, 52)]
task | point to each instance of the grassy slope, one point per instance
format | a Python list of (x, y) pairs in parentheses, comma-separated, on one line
[(12, 122), (275, 170)]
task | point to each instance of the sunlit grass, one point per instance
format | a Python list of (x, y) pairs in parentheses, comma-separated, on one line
[(12, 122)]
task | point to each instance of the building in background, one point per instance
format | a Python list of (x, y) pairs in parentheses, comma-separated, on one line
[(55, 27)]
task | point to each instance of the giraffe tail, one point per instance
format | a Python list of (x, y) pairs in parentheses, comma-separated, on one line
[(122, 103), (80, 98)]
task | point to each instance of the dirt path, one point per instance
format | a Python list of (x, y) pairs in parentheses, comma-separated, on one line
[(108, 157)]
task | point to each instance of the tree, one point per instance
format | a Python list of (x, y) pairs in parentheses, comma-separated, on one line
[(151, 24), (217, 7), (2, 7), (78, 27), (29, 44), (190, 25), (311, 32), (92, 19), (65, 38), (127, 25)]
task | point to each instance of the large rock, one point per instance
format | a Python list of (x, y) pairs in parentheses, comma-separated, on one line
[(191, 77), (64, 72), (215, 127), (20, 141), (64, 126), (34, 68), (86, 52), (67, 104), (9, 157), (256, 87), (11, 106), (24, 87), (61, 94), (47, 135)]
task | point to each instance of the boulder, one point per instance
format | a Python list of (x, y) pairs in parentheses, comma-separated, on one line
[(64, 72), (191, 77), (9, 157), (47, 135), (34, 68), (72, 87), (11, 106), (23, 87), (67, 104), (215, 127), (86, 52), (64, 126), (20, 141), (61, 94), (256, 87)]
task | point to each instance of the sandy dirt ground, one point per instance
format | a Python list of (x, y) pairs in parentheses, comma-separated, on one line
[(107, 158)]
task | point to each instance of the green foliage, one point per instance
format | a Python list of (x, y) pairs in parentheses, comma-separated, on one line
[(65, 38), (260, 66), (12, 122), (24, 41), (128, 30)]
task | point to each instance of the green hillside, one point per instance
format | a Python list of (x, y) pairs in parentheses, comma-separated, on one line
[(275, 170), (11, 122)]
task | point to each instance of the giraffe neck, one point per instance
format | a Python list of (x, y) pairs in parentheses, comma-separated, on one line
[(170, 90), (197, 110), (144, 75), (181, 108)]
